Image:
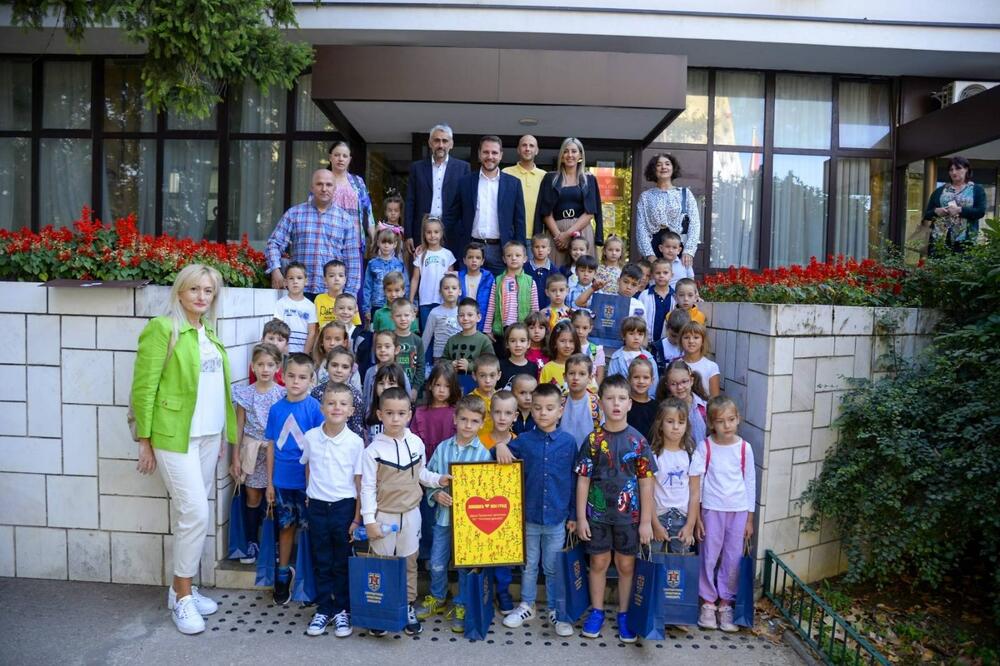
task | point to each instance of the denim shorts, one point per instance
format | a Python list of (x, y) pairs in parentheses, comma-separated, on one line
[(290, 507), (623, 539)]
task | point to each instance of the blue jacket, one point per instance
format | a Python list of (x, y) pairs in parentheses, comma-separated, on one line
[(420, 192), (482, 295), (459, 217), (377, 269)]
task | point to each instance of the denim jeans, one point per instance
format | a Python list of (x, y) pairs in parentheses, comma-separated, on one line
[(328, 525), (673, 521), (440, 559), (542, 542)]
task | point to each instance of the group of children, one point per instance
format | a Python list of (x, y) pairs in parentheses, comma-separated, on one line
[(620, 447)]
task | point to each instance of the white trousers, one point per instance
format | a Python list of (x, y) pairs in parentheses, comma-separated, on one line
[(189, 477)]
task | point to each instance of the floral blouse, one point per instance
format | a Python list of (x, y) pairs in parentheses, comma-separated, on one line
[(661, 209)]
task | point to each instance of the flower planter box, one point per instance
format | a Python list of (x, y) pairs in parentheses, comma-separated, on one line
[(787, 366)]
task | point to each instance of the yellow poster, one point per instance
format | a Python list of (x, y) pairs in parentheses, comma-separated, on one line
[(487, 514)]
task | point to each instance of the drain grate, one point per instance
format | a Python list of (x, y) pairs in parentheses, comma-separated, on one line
[(253, 612)]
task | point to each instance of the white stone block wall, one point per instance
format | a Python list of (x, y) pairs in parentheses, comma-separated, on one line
[(787, 366), (72, 505)]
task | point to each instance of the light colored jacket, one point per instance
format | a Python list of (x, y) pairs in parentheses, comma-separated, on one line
[(165, 390)]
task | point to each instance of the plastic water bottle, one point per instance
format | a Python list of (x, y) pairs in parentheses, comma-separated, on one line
[(361, 534)]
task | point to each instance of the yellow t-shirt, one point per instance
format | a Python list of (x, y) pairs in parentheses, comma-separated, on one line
[(484, 432), (489, 442), (697, 315), (324, 310), (553, 373), (531, 182)]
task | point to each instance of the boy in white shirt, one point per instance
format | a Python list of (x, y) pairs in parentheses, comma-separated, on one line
[(297, 311), (670, 248), (331, 454)]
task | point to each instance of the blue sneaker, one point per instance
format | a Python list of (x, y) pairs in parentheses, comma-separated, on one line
[(505, 602), (592, 625), (625, 635)]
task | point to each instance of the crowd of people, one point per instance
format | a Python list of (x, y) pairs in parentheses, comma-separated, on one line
[(391, 357)]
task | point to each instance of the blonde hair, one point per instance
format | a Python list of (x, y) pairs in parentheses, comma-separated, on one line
[(186, 278), (581, 175)]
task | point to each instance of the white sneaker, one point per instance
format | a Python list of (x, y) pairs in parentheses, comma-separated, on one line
[(204, 605), (706, 619), (563, 629), (726, 619), (342, 624), (519, 616), (186, 616)]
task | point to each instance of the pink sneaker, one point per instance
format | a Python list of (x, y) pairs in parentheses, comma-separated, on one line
[(706, 619), (726, 619)]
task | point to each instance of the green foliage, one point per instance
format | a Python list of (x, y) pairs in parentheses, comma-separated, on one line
[(913, 482), (194, 48)]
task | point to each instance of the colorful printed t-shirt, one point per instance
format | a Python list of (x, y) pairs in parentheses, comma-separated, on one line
[(298, 315), (615, 461), (287, 424)]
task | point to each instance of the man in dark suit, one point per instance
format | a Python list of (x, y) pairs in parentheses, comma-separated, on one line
[(432, 184), (488, 208)]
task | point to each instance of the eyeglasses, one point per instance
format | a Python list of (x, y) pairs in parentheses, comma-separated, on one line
[(683, 382)]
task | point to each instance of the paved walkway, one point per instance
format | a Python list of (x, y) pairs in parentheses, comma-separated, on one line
[(58, 622)]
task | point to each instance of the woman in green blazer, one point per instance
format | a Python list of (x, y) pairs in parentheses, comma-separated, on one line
[(183, 409)]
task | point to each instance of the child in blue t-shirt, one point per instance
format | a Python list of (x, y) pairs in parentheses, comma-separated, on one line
[(287, 422)]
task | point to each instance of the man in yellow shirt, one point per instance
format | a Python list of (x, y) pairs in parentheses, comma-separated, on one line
[(530, 176)]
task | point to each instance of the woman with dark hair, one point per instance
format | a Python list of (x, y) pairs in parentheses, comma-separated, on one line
[(569, 203), (954, 210), (666, 208)]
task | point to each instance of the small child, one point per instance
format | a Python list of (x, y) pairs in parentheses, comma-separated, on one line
[(346, 311), (640, 381), (612, 261), (475, 281), (670, 248), (628, 285), (386, 377), (586, 270), (275, 333), (549, 455), (393, 207), (296, 310), (392, 471), (514, 294), (669, 349), (658, 300), (515, 339), (583, 324), (538, 339), (503, 411), (556, 289), (331, 453), (614, 503), (392, 285), (486, 373), (540, 267), (249, 461), (385, 261), (442, 322), (287, 420), (523, 386), (563, 343), (334, 277), (686, 295), (728, 499), (578, 247), (463, 348), (463, 447), (677, 494), (684, 384), (410, 354), (647, 270), (582, 411), (634, 335), (339, 364), (694, 342), (434, 421), (385, 350), (333, 334), (429, 266)]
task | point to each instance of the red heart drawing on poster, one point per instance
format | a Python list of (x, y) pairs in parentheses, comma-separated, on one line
[(487, 514)]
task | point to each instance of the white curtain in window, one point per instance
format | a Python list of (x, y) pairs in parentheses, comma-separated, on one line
[(798, 209), (862, 205), (190, 188), (735, 209), (802, 111), (66, 96), (64, 180), (256, 172), (130, 180), (15, 183), (15, 103), (864, 114), (259, 113), (308, 116)]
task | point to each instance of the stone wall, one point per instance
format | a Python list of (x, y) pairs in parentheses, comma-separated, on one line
[(72, 505), (788, 366)]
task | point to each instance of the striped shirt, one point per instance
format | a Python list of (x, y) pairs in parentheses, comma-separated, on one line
[(509, 302), (450, 451)]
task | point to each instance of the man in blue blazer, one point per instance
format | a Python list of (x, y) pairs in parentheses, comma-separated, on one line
[(432, 184), (488, 208)]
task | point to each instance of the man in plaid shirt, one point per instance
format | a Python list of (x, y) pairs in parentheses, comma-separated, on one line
[(311, 229)]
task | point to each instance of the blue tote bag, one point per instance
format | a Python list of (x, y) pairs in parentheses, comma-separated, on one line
[(304, 587), (237, 528), (743, 609), (477, 595), (679, 591), (378, 591), (267, 556), (573, 589), (643, 615)]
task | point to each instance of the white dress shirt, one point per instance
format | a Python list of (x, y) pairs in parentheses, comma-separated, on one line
[(333, 464), (437, 185), (486, 225)]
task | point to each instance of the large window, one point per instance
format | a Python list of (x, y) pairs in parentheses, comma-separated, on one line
[(799, 165), (93, 142)]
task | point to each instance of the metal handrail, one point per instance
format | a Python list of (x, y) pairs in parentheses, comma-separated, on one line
[(814, 620)]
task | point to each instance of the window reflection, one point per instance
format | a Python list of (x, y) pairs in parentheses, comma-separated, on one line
[(864, 114), (66, 95), (739, 108), (256, 189), (64, 180), (130, 180), (736, 187), (190, 188), (798, 208), (692, 125), (862, 206)]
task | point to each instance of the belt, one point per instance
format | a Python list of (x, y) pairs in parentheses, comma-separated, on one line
[(487, 241)]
